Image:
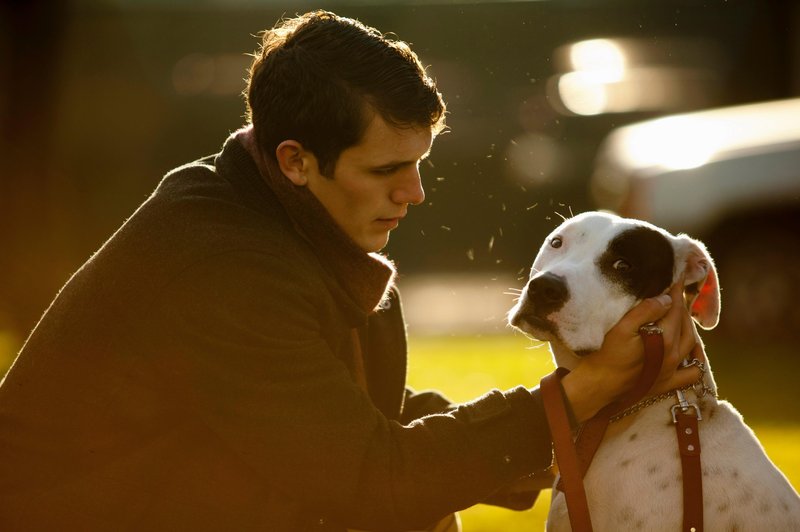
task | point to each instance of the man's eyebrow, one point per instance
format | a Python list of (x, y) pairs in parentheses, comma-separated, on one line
[(395, 164), (402, 162)]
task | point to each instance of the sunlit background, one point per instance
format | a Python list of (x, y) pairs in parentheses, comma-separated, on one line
[(680, 112)]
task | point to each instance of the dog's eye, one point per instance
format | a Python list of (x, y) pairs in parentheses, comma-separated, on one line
[(556, 242), (621, 265)]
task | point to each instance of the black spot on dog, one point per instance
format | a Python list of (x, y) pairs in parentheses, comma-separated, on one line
[(746, 497), (640, 260), (633, 436), (652, 469), (663, 485), (723, 508)]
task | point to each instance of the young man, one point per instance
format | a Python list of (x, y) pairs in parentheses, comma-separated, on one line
[(233, 358)]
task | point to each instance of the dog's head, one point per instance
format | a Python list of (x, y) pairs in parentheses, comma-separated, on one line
[(595, 267)]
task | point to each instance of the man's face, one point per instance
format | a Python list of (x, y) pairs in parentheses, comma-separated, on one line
[(374, 182)]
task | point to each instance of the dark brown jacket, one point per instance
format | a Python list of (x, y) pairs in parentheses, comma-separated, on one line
[(196, 374)]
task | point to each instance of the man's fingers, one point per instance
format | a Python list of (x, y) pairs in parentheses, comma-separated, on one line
[(649, 310), (699, 350), (686, 376), (679, 379), (688, 335), (682, 376), (671, 323), (679, 331), (676, 293)]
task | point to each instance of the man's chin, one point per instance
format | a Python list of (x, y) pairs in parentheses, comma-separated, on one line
[(373, 245)]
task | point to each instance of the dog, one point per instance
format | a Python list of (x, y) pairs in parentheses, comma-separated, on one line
[(589, 272)]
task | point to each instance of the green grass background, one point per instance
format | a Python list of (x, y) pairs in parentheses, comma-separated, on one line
[(760, 380)]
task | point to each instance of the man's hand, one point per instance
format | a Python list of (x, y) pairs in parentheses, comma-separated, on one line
[(604, 375), (685, 344)]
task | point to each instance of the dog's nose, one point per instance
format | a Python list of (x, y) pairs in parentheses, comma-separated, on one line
[(548, 292)]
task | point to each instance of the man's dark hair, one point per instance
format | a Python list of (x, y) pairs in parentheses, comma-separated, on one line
[(318, 79)]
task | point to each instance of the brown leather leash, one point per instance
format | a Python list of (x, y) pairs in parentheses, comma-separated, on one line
[(689, 446), (569, 469), (574, 457)]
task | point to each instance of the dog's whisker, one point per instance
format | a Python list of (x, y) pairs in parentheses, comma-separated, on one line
[(536, 346)]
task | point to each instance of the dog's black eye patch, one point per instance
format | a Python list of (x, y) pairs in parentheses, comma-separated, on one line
[(649, 256)]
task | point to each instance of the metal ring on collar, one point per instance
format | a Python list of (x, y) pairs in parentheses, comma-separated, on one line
[(695, 362), (700, 388)]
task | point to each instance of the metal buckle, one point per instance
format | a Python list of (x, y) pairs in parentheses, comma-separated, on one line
[(684, 406)]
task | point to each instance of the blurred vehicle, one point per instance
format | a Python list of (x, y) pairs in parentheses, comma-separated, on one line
[(731, 177)]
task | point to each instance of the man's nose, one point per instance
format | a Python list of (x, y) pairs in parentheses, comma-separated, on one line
[(408, 188)]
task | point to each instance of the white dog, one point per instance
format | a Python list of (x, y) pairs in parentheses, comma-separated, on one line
[(589, 272)]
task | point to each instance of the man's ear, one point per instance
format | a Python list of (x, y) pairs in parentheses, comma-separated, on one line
[(293, 160)]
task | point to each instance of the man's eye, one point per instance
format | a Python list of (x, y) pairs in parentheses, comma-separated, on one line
[(385, 171)]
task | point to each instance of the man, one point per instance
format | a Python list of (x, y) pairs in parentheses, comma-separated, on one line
[(233, 358)]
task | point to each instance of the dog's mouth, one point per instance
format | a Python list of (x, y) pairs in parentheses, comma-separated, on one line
[(546, 329), (537, 326)]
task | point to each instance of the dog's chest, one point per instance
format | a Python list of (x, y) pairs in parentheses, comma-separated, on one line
[(635, 480)]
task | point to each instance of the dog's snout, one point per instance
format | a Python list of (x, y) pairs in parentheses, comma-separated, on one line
[(548, 292)]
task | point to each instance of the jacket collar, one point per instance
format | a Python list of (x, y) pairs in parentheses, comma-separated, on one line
[(365, 277)]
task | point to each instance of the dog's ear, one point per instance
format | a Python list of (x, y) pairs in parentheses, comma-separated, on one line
[(701, 282)]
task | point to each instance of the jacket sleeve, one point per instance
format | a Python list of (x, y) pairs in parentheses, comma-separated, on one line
[(242, 349), (420, 404)]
